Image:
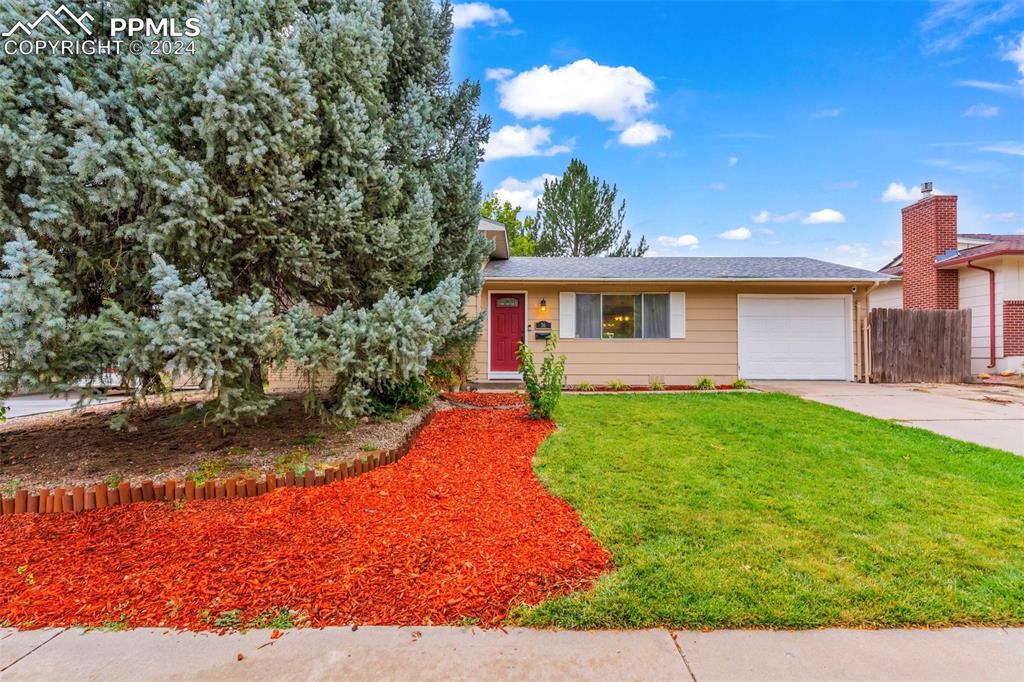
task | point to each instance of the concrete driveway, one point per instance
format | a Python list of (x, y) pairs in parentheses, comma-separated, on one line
[(983, 414), (27, 405)]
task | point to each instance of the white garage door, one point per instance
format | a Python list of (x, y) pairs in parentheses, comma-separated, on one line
[(795, 337)]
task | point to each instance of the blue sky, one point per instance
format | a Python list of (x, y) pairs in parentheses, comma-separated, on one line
[(758, 128)]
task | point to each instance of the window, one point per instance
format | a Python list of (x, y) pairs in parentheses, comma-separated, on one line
[(622, 316), (508, 302)]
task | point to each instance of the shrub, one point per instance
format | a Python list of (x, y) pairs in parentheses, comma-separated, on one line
[(740, 383), (585, 386), (704, 384), (617, 385), (544, 387), (656, 385)]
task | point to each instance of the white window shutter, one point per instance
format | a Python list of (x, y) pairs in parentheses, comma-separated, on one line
[(566, 315), (677, 315)]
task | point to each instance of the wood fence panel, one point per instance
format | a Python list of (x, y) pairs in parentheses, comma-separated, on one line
[(920, 345)]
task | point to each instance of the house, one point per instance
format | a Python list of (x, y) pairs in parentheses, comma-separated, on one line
[(669, 319), (943, 269)]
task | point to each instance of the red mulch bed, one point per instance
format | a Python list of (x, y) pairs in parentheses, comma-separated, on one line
[(459, 528), (486, 399)]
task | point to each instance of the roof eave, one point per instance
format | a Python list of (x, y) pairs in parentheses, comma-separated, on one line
[(963, 260), (883, 278)]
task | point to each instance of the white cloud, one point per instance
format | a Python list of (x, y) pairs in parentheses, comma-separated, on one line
[(985, 85), (619, 94), (897, 191), (717, 186), (1012, 148), (684, 240), (766, 217), (860, 250), (981, 111), (520, 141), (739, 234), (497, 74), (827, 113), (825, 215), (1003, 216), (523, 193), (733, 160), (949, 24), (1014, 52), (465, 15), (643, 133)]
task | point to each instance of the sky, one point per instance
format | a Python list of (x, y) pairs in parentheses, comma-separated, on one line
[(757, 129)]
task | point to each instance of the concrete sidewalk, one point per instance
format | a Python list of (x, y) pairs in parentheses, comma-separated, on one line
[(445, 653), (983, 414)]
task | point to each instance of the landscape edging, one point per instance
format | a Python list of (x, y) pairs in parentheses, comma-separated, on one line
[(100, 496)]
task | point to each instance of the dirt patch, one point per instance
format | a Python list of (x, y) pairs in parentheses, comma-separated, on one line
[(171, 440)]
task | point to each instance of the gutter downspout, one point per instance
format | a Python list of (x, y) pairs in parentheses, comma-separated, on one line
[(991, 312)]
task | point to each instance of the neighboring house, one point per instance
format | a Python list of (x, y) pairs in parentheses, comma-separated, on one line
[(673, 320), (941, 269)]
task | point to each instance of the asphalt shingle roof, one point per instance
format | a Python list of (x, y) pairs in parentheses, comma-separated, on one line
[(681, 268)]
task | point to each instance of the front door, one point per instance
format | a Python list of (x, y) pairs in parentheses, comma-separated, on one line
[(508, 320)]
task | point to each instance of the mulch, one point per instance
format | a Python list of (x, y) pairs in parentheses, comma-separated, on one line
[(496, 399), (459, 528)]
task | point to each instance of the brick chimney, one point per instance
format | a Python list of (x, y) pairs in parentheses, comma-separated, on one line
[(929, 229)]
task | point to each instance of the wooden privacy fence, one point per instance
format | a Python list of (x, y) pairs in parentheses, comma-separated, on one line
[(919, 345)]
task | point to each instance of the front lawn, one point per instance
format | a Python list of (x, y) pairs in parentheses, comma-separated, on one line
[(764, 510)]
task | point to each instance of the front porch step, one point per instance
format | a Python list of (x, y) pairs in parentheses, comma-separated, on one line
[(496, 385)]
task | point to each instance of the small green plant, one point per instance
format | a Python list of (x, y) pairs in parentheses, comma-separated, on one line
[(228, 620), (543, 387), (296, 461), (585, 386), (279, 619), (617, 385), (208, 470), (656, 385), (368, 447), (467, 622), (29, 578), (116, 625), (112, 480), (740, 383), (11, 487), (704, 384), (308, 439)]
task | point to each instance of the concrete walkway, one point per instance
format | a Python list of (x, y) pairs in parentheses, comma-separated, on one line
[(440, 653), (983, 414)]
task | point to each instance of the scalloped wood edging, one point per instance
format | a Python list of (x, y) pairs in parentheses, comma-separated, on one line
[(100, 496)]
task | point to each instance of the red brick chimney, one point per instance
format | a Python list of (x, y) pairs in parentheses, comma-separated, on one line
[(929, 229)]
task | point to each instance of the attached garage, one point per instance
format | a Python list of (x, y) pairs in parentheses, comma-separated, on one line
[(795, 336)]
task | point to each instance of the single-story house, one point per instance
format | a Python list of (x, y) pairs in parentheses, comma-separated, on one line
[(673, 319), (941, 268)]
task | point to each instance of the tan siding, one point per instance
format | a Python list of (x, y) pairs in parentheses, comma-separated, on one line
[(709, 349), (887, 296)]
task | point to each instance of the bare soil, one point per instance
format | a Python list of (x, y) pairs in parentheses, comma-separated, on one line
[(171, 440)]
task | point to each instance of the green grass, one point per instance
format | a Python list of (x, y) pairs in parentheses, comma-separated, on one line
[(764, 510)]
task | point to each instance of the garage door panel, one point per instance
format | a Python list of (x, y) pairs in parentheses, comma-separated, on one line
[(790, 337)]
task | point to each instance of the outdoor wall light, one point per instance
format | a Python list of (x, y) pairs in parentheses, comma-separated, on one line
[(543, 306)]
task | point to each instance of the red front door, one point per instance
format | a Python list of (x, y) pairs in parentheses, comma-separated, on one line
[(508, 317)]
